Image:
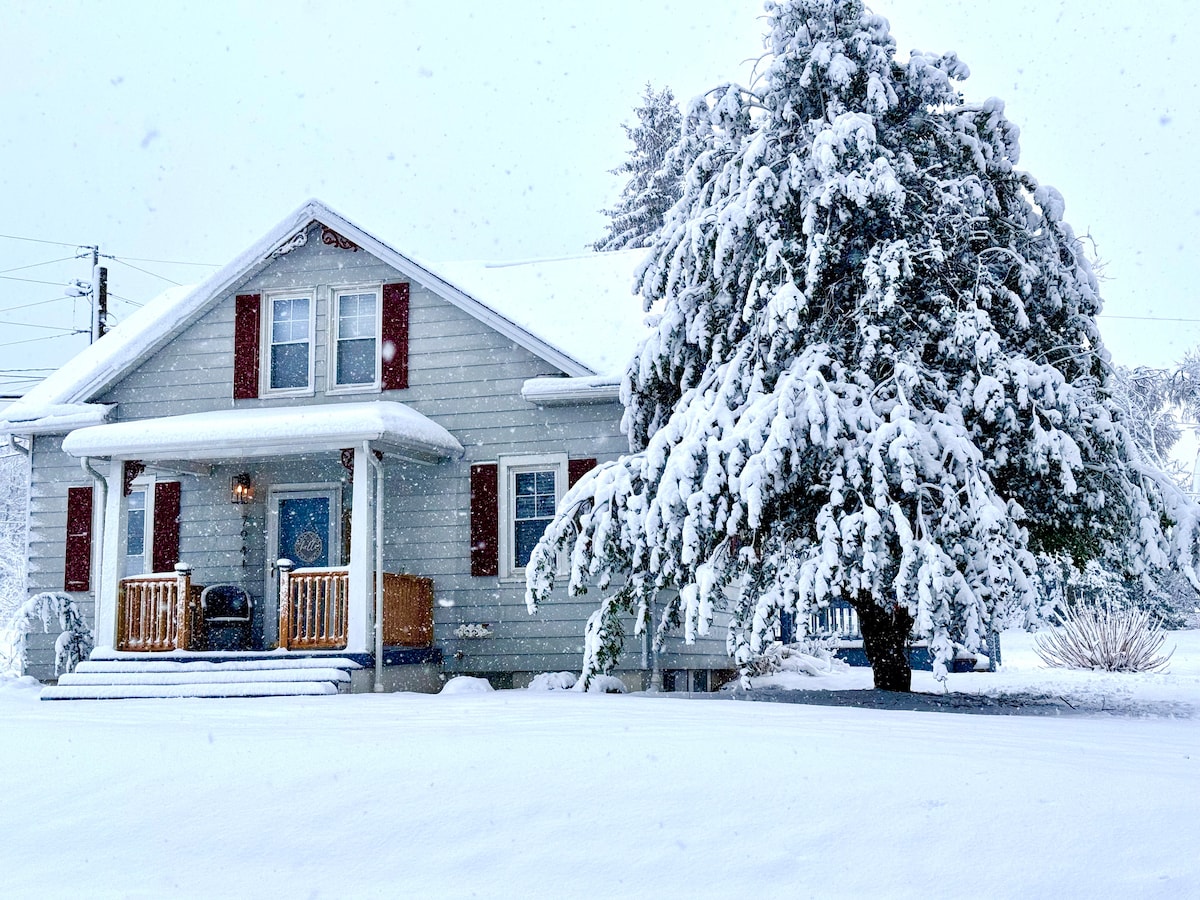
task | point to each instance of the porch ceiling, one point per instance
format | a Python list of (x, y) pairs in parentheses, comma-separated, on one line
[(230, 434)]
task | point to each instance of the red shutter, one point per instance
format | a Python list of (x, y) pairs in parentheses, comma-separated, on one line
[(246, 333), (394, 346), (78, 575), (577, 468), (485, 520), (165, 552)]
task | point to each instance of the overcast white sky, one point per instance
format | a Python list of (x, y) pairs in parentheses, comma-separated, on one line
[(183, 131)]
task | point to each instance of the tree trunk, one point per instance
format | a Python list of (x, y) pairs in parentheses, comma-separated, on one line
[(885, 639)]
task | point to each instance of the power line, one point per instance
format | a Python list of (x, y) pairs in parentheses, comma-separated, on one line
[(48, 337), (36, 303), (29, 280), (33, 325), (171, 262), (145, 271), (1144, 318), (35, 265), (13, 237)]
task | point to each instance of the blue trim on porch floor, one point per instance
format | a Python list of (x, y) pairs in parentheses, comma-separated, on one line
[(392, 656), (400, 656)]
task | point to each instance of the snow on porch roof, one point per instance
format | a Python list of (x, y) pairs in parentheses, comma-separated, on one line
[(274, 431)]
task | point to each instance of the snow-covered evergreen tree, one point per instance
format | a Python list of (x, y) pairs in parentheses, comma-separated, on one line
[(654, 174), (1158, 404), (875, 375)]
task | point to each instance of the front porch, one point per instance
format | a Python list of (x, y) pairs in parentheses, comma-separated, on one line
[(276, 549), (165, 612)]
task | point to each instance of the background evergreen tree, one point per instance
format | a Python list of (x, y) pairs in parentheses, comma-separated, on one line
[(654, 174), (876, 373)]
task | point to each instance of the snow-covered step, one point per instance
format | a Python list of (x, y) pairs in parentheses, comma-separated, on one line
[(233, 676), (238, 665), (217, 689), (112, 679)]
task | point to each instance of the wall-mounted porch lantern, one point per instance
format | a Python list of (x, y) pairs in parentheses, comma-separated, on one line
[(241, 489)]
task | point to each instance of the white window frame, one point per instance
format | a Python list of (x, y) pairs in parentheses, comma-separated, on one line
[(509, 468), (335, 300), (265, 388), (141, 483)]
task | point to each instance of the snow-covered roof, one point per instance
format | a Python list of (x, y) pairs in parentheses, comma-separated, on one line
[(52, 418), (584, 304), (579, 314), (571, 391), (270, 431)]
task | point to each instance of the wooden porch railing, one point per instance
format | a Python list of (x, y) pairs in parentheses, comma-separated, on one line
[(313, 607), (158, 612), (407, 611)]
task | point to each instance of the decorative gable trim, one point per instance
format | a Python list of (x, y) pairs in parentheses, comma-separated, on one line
[(333, 239)]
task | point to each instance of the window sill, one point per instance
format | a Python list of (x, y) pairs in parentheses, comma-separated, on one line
[(286, 392), (352, 389)]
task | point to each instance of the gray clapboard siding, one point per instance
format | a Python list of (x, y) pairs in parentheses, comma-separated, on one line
[(52, 473), (462, 374)]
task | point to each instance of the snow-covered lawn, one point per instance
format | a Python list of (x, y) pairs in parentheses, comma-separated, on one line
[(557, 794)]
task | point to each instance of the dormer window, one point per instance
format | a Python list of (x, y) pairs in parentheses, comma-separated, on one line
[(362, 344), (289, 335), (356, 355)]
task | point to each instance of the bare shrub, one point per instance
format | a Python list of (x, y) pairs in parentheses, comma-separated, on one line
[(1104, 638)]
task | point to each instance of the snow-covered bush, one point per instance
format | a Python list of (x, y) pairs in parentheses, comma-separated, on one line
[(467, 684), (1107, 638), (810, 656), (76, 639), (553, 681), (604, 684)]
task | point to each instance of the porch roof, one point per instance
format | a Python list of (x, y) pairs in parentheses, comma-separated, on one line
[(230, 434)]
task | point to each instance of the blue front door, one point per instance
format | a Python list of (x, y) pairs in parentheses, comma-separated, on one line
[(304, 530)]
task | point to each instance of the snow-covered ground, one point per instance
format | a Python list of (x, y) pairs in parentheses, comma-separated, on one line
[(558, 794)]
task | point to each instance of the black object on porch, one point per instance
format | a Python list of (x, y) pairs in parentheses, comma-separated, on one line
[(226, 610)]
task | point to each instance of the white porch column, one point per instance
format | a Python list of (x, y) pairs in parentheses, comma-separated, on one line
[(110, 558), (361, 618)]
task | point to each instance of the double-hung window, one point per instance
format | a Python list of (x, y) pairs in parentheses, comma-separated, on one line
[(150, 539), (530, 488), (139, 531), (356, 337), (289, 342)]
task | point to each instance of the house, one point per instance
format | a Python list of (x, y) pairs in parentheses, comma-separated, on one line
[(323, 436)]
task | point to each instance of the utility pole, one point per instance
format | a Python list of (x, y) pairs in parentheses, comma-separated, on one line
[(101, 303), (99, 294)]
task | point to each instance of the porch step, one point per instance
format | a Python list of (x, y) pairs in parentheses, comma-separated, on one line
[(132, 679)]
